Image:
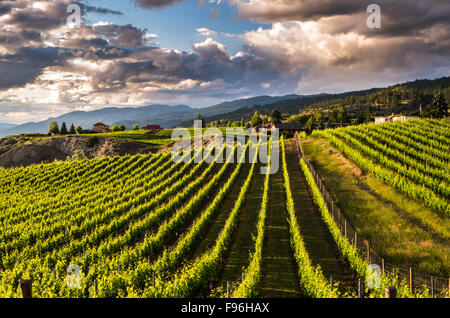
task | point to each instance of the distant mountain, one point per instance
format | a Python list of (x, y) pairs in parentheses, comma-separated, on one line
[(154, 114), (354, 101), (223, 110), (232, 105), (163, 115), (5, 127)]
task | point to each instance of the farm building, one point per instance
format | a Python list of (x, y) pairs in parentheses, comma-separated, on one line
[(392, 118), (101, 128), (154, 128), (289, 129)]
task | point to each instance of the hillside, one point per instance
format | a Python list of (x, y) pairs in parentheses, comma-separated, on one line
[(22, 151), (161, 114), (403, 98)]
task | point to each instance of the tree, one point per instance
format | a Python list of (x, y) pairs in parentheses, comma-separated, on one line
[(115, 128), (63, 130), (342, 116), (53, 128), (79, 130), (309, 127), (256, 120), (333, 116), (276, 116), (242, 122), (72, 130), (136, 127), (439, 107), (265, 119), (319, 117), (122, 128)]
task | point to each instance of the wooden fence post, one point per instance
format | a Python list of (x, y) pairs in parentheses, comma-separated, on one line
[(356, 240), (345, 228), (368, 251), (359, 288), (331, 283), (228, 289), (154, 280), (27, 288), (382, 266), (411, 273)]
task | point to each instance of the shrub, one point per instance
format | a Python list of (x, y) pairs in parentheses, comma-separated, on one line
[(92, 141)]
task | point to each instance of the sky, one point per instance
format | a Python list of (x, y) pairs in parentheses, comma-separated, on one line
[(202, 52)]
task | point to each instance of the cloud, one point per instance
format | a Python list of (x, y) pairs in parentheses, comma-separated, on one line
[(399, 18), (206, 32), (307, 47), (156, 4)]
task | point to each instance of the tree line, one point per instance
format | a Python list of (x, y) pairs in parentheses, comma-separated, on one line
[(54, 129)]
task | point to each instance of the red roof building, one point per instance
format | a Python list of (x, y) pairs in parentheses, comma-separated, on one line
[(101, 128), (152, 128)]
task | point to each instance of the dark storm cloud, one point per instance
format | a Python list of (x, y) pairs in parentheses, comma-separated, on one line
[(101, 10), (399, 17), (4, 9), (123, 35), (53, 16), (27, 64), (156, 4)]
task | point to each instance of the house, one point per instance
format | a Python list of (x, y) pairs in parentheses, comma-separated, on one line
[(154, 128), (392, 118), (101, 128), (289, 129)]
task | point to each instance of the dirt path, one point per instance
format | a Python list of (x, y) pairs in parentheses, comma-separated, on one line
[(280, 271), (318, 240)]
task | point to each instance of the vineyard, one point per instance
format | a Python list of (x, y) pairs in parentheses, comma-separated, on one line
[(413, 157), (212, 225)]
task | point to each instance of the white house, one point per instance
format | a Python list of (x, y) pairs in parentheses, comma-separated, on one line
[(392, 118)]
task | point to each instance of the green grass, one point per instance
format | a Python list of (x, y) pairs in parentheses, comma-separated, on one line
[(401, 230), (279, 275), (321, 247)]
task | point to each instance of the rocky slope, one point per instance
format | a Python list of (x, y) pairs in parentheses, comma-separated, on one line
[(15, 152)]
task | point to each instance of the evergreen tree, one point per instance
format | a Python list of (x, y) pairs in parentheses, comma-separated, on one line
[(72, 130), (276, 116), (64, 129), (439, 107), (79, 130)]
